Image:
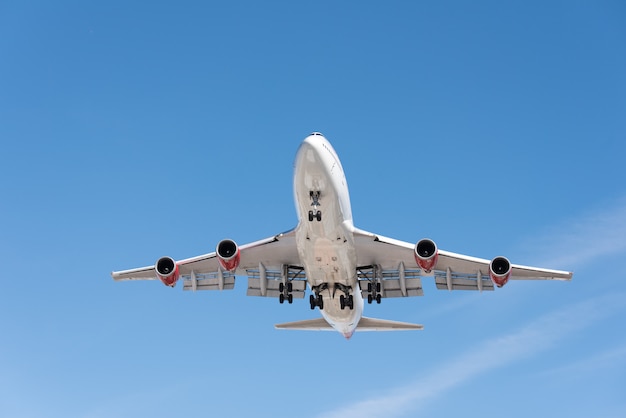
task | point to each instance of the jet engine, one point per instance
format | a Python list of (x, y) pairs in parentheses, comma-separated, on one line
[(500, 271), (167, 271), (426, 254), (228, 254)]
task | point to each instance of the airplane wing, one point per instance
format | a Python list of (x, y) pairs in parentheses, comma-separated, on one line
[(267, 263), (392, 263)]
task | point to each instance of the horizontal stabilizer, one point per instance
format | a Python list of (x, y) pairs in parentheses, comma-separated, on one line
[(373, 324), (365, 324), (318, 324)]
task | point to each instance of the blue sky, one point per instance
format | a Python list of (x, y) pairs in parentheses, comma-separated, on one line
[(132, 130)]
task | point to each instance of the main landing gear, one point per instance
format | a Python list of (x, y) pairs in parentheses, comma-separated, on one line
[(285, 292), (372, 274), (315, 213), (316, 299), (346, 300), (373, 292), (285, 287)]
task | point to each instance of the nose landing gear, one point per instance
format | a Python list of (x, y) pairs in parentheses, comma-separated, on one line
[(315, 213)]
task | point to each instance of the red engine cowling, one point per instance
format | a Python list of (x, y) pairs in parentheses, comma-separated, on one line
[(426, 254), (167, 271), (500, 271), (228, 254)]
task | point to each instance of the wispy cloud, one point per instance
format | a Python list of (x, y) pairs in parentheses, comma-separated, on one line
[(580, 241), (606, 360), (535, 337)]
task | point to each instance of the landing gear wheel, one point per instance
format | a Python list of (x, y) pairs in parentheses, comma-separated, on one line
[(281, 298), (319, 216), (289, 287), (378, 287), (346, 302), (290, 298), (370, 298), (281, 287), (316, 301), (310, 216), (378, 298)]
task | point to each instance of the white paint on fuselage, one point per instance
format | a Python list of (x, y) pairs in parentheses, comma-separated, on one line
[(326, 247)]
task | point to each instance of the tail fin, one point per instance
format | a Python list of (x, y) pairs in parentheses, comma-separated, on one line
[(365, 324)]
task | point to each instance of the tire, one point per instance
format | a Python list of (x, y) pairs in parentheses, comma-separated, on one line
[(281, 298)]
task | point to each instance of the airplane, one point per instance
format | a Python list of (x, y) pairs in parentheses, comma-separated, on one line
[(342, 265)]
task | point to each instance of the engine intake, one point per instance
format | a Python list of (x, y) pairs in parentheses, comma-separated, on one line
[(167, 271), (228, 254), (500, 271), (426, 254)]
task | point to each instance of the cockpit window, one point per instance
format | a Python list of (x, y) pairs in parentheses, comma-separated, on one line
[(317, 134)]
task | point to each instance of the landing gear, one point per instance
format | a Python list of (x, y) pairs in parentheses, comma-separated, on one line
[(285, 287), (374, 288), (346, 302), (315, 213), (371, 298), (316, 301), (282, 287), (373, 292), (316, 298), (288, 298)]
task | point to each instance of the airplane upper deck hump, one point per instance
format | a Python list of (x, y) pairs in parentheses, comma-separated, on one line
[(319, 141)]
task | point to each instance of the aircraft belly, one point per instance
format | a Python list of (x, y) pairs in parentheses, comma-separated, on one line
[(326, 243), (337, 317), (327, 262)]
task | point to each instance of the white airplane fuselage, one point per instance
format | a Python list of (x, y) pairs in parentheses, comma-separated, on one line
[(324, 235)]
